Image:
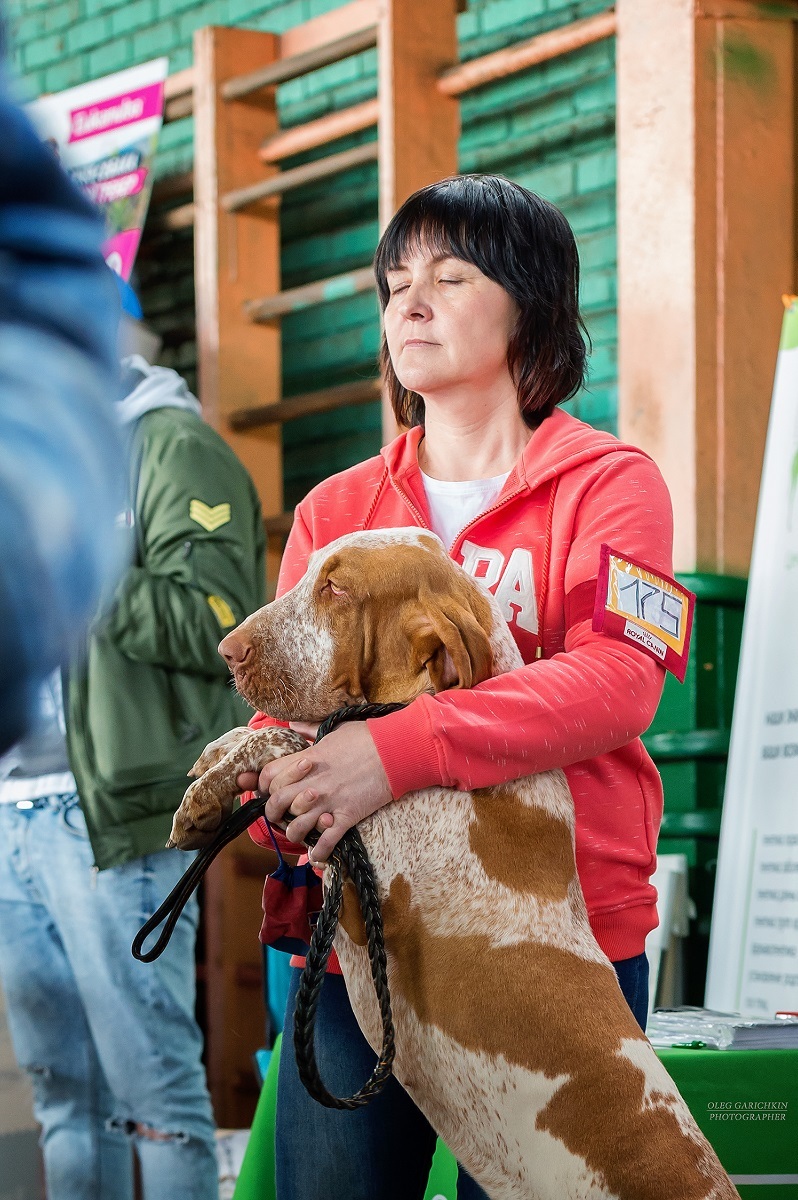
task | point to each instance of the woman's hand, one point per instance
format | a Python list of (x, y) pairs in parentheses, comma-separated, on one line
[(329, 787)]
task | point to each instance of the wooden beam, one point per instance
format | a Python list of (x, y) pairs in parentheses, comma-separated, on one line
[(237, 255), (300, 64), (318, 133), (235, 1016), (286, 181), (706, 210), (322, 290), (239, 364), (419, 127), (489, 68), (179, 95), (349, 18), (748, 10), (326, 400), (181, 217), (302, 39)]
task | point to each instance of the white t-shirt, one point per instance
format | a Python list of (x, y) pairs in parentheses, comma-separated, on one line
[(453, 505)]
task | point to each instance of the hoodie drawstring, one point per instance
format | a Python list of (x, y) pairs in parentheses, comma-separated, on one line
[(544, 580), (377, 494)]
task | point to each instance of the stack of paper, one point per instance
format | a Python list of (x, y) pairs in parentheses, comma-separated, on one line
[(704, 1027)]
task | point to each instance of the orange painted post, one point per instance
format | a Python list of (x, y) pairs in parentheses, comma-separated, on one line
[(706, 246), (419, 127), (237, 259), (237, 254)]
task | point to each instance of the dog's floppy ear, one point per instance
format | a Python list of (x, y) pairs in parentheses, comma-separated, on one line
[(451, 643)]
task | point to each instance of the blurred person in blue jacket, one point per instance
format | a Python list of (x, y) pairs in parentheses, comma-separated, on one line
[(86, 805), (61, 461), (112, 1045)]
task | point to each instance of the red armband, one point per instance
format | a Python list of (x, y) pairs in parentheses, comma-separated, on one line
[(651, 611)]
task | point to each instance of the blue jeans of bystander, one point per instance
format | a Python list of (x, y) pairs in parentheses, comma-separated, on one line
[(112, 1045), (382, 1151)]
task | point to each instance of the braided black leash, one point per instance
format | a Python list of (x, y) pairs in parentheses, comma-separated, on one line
[(348, 856), (175, 902)]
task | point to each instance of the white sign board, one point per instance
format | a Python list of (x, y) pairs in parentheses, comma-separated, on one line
[(753, 954)]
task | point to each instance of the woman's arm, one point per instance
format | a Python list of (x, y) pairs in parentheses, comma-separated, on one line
[(596, 696)]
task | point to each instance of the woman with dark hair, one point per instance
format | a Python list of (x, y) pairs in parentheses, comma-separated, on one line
[(478, 281), (526, 246)]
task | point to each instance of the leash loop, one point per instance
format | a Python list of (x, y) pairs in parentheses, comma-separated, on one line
[(171, 908)]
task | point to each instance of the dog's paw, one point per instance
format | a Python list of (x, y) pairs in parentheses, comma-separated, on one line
[(209, 800), (214, 752), (197, 820)]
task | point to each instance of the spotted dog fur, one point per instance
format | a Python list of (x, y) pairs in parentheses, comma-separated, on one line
[(512, 1034)]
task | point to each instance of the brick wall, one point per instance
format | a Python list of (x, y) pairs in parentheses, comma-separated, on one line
[(552, 128)]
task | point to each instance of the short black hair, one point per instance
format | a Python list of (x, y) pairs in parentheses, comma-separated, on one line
[(523, 243)]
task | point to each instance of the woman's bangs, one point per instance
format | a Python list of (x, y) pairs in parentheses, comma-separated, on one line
[(441, 225), (430, 233)]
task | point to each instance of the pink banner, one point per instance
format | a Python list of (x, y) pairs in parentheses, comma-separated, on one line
[(118, 188), (120, 251), (116, 112)]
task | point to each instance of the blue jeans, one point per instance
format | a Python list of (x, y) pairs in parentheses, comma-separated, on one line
[(384, 1150), (111, 1044)]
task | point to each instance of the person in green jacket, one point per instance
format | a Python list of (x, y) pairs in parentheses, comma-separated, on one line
[(86, 804)]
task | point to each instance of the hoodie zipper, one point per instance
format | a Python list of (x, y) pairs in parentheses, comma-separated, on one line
[(493, 508), (544, 589), (420, 519)]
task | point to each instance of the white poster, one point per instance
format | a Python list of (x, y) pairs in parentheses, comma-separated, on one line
[(753, 953), (105, 133)]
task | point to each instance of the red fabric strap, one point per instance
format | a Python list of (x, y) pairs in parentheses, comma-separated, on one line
[(580, 602)]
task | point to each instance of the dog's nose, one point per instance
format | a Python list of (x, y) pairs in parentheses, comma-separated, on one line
[(235, 650)]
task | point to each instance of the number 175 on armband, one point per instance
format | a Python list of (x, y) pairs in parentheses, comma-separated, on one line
[(636, 604)]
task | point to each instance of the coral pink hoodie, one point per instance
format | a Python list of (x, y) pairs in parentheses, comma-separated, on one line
[(583, 704)]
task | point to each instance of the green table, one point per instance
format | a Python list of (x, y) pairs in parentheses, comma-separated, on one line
[(746, 1102)]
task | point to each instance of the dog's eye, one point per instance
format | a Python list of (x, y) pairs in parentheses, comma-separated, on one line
[(331, 587)]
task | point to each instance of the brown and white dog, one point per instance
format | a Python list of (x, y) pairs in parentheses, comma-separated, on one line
[(512, 1034)]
